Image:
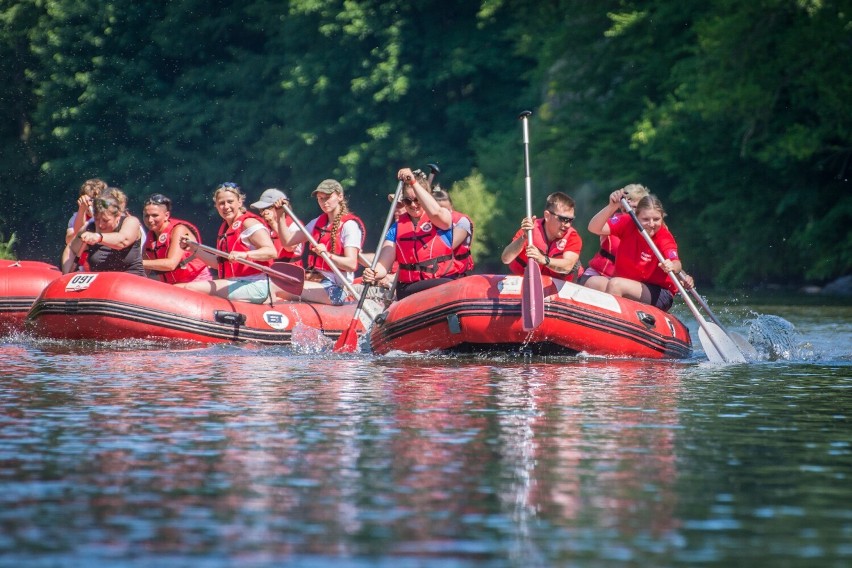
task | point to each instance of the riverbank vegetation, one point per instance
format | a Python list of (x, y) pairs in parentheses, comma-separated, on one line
[(735, 114)]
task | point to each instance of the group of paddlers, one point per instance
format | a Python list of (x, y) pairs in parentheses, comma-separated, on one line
[(427, 244)]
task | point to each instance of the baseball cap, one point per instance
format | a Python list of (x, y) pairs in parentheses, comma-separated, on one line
[(328, 186), (268, 198)]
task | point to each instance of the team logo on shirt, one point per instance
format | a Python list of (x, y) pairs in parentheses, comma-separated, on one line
[(163, 238), (426, 227), (237, 224), (561, 244)]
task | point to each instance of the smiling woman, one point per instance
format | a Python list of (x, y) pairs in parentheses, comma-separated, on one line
[(244, 236), (637, 273), (111, 241)]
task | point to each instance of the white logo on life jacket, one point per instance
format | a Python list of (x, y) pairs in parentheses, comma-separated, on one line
[(163, 238), (426, 227), (561, 244), (645, 257), (237, 224)]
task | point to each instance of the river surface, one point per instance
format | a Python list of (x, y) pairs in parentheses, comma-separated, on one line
[(149, 455)]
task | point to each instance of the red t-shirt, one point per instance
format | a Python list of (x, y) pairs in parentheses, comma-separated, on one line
[(635, 259)]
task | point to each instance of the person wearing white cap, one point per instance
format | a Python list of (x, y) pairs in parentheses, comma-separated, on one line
[(266, 207), (337, 232)]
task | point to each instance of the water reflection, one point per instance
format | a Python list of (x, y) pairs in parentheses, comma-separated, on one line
[(266, 455)]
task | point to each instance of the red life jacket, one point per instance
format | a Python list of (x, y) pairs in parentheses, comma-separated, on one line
[(284, 255), (604, 260), (322, 234), (553, 249), (461, 254), (229, 241), (421, 252), (158, 248)]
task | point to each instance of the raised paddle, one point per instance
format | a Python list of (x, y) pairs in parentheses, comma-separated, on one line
[(747, 348), (288, 277), (717, 345), (348, 340), (346, 283), (532, 292)]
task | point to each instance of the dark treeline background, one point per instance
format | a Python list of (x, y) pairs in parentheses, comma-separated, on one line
[(735, 113)]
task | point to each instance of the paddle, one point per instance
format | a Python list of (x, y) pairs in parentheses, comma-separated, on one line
[(288, 277), (532, 292), (346, 284), (747, 348), (717, 345), (348, 340)]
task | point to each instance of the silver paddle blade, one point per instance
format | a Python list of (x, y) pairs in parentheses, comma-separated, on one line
[(718, 346)]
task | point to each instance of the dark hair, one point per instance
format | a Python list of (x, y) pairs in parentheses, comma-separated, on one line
[(557, 197), (159, 199)]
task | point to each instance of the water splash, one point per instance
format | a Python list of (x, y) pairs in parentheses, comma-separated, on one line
[(776, 338)]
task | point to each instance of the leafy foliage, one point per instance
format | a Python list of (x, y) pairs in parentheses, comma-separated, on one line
[(734, 113)]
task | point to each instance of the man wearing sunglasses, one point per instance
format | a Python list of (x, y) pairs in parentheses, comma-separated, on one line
[(556, 245)]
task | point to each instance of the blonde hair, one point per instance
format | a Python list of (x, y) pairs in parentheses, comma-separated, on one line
[(635, 191), (92, 187), (233, 188), (112, 199), (343, 209)]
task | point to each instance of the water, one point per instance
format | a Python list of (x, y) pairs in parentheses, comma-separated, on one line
[(144, 455)]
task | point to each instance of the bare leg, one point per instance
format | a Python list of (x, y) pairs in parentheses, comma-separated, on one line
[(597, 283), (628, 289), (312, 292), (211, 287)]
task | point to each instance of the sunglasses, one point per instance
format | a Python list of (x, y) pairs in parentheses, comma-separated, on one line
[(409, 202), (106, 204), (562, 218), (159, 199), (228, 185)]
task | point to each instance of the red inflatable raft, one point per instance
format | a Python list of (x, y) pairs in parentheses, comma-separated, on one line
[(482, 313), (21, 281), (108, 306)]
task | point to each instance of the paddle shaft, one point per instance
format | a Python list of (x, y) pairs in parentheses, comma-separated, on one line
[(527, 180), (346, 283), (698, 317), (348, 340), (375, 261), (532, 293), (265, 269)]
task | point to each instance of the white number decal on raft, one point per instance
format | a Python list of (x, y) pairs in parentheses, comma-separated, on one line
[(80, 282), (276, 320), (510, 285)]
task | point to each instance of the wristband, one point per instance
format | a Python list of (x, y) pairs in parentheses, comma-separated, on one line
[(546, 260), (100, 237)]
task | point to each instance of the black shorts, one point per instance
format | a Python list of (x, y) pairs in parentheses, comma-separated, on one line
[(657, 296)]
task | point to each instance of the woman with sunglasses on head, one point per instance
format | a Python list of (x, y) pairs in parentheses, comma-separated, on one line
[(162, 254), (421, 241), (556, 244), (111, 241), (638, 275), (243, 235), (337, 232)]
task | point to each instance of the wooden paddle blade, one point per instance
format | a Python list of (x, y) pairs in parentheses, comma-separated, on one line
[(718, 346), (288, 277), (532, 297), (348, 340)]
